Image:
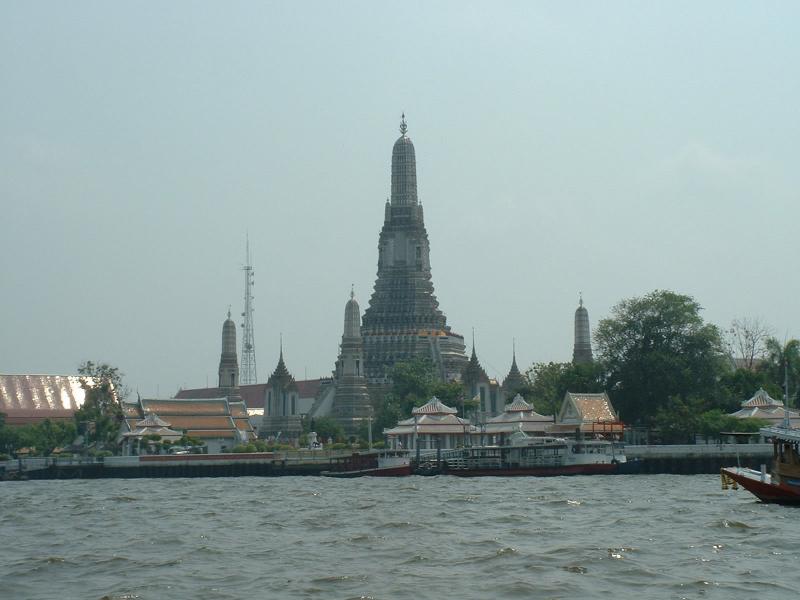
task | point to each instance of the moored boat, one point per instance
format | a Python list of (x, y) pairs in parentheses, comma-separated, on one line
[(393, 463), (782, 485), (530, 456)]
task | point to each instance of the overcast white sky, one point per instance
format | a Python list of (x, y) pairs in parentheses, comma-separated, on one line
[(609, 148)]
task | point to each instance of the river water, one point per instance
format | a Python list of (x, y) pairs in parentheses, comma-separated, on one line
[(658, 536)]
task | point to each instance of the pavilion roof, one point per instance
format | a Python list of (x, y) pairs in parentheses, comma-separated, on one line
[(434, 406), (761, 398), (152, 420), (431, 423)]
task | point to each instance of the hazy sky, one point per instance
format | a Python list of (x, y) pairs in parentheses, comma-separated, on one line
[(605, 147)]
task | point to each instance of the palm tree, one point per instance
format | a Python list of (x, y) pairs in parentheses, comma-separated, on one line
[(783, 364)]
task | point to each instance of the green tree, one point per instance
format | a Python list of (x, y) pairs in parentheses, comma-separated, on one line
[(656, 348), (739, 385), (782, 363), (328, 428), (101, 414), (678, 420)]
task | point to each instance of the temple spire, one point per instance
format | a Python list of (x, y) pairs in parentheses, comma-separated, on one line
[(582, 350), (404, 169)]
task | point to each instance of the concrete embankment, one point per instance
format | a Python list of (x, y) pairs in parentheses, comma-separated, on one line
[(699, 458), (265, 464), (686, 460)]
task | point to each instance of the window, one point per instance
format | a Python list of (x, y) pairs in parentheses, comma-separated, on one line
[(284, 404), (293, 403), (358, 367)]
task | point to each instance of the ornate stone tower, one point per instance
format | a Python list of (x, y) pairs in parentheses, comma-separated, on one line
[(514, 381), (403, 319), (582, 351), (351, 404), (228, 363), (282, 418)]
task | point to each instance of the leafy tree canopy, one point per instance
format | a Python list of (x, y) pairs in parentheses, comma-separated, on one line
[(327, 428), (656, 348), (415, 382), (551, 381), (101, 414), (782, 363)]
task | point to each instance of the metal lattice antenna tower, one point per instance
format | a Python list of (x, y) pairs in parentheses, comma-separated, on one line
[(247, 370)]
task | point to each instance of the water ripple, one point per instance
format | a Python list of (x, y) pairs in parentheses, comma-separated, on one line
[(381, 539)]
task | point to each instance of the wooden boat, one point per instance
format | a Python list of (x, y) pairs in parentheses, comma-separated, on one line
[(782, 485)]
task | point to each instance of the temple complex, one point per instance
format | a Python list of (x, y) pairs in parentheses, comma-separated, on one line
[(403, 320), (582, 350)]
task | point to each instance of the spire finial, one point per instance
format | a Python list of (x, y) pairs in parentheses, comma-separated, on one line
[(281, 338), (229, 311), (580, 296), (403, 125), (352, 291), (514, 349)]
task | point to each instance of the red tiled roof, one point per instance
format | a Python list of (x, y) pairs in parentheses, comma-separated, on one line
[(204, 406), (308, 388), (253, 395)]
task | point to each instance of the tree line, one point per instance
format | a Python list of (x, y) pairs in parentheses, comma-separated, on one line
[(667, 369)]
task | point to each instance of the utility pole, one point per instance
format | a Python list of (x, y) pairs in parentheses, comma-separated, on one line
[(247, 371)]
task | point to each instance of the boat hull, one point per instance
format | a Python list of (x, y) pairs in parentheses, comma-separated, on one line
[(544, 471), (393, 471), (766, 491)]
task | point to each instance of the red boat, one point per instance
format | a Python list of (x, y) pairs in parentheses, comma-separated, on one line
[(782, 485)]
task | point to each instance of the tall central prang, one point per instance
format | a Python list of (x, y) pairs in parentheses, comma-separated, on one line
[(403, 320)]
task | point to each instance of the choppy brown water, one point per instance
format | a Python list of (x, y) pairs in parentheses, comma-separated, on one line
[(616, 537)]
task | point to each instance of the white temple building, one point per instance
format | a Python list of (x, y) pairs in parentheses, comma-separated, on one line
[(433, 425)]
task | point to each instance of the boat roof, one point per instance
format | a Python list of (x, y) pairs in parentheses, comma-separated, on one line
[(781, 433)]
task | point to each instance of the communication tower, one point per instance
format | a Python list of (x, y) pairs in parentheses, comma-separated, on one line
[(247, 371)]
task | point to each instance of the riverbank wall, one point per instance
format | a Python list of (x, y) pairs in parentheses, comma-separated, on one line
[(683, 460), (694, 459)]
